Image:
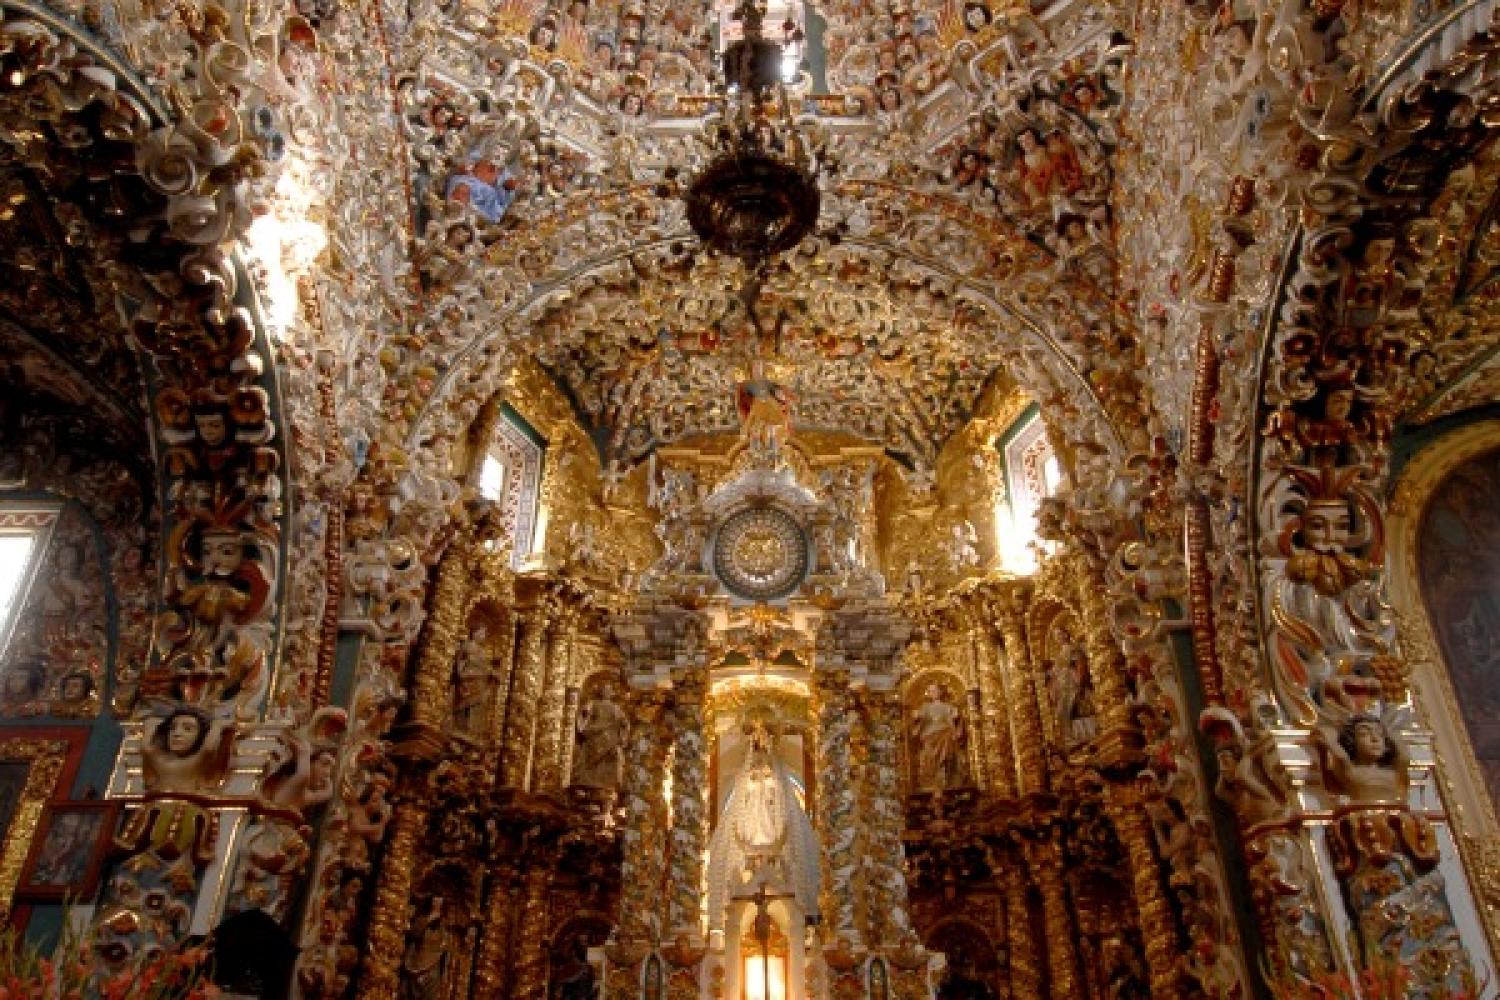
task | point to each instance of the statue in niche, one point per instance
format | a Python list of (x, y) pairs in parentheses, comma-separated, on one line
[(1072, 694), (424, 969), (937, 730), (474, 681), (764, 837), (602, 730)]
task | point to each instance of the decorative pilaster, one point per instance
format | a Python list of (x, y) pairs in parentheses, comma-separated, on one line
[(531, 932), (547, 748), (525, 689), (689, 837), (1045, 860), (391, 912), (838, 807), (1025, 968), (1158, 930), (1020, 694), (492, 962)]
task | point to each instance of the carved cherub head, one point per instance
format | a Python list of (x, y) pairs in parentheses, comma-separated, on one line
[(182, 732)]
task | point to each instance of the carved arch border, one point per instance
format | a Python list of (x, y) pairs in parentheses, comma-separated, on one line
[(1471, 809)]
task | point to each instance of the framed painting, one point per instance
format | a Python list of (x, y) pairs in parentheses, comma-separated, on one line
[(68, 850), (35, 764)]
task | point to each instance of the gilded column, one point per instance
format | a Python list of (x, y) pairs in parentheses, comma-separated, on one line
[(1025, 971), (531, 932), (547, 753), (505, 668), (526, 688), (1020, 693), (390, 914), (689, 837), (431, 697), (998, 745), (1104, 654), (1045, 860), (1158, 929), (493, 961), (837, 807)]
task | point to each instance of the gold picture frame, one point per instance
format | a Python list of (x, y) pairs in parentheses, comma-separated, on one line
[(31, 769)]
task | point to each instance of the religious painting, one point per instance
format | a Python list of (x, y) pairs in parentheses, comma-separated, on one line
[(68, 851), (34, 765), (1458, 560)]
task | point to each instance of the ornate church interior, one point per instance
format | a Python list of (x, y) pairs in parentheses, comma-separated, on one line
[(750, 499)]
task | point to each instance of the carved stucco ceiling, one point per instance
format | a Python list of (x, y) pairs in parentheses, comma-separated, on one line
[(972, 207), (58, 345)]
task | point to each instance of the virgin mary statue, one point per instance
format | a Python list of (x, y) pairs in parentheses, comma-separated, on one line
[(763, 838)]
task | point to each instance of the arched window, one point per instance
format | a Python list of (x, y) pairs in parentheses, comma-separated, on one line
[(24, 531), (1032, 473), (509, 472)]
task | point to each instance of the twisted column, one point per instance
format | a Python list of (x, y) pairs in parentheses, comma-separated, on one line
[(689, 805), (1105, 660), (531, 932), (490, 964), (889, 922), (526, 687), (1025, 972), (391, 912), (432, 679), (838, 806), (643, 839), (1158, 929), (1020, 694), (1045, 860)]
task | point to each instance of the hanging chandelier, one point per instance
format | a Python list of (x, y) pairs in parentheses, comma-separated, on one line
[(758, 195)]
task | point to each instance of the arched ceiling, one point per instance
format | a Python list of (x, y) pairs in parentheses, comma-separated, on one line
[(968, 231)]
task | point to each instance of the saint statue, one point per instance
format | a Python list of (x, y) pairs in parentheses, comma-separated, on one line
[(935, 730), (602, 730), (764, 837)]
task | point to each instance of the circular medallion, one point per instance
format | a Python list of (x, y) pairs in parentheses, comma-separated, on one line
[(760, 554)]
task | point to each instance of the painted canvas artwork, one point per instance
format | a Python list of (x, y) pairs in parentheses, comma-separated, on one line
[(1459, 561)]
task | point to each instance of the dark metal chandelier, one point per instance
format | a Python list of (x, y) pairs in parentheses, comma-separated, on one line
[(758, 195)]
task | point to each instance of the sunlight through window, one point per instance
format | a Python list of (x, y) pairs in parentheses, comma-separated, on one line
[(16, 554)]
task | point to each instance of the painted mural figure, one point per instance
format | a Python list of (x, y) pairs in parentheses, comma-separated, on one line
[(485, 186)]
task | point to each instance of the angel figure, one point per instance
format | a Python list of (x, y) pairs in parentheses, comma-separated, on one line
[(1364, 758)]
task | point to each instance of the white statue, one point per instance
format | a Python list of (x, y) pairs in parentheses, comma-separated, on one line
[(764, 836)]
